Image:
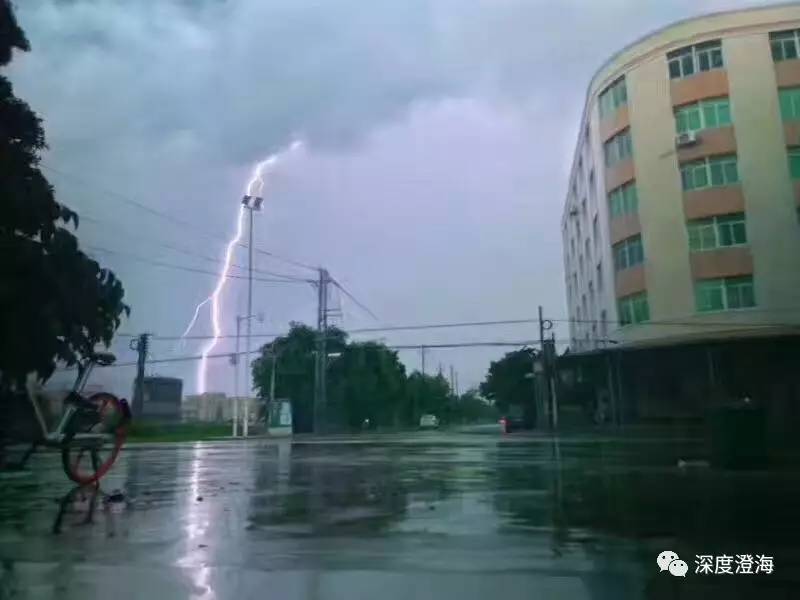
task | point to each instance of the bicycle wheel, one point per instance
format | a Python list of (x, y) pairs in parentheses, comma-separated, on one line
[(90, 447)]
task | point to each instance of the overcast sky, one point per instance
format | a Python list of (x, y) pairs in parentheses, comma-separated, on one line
[(439, 135)]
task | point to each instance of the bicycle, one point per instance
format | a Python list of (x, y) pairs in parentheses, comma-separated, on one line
[(91, 430)]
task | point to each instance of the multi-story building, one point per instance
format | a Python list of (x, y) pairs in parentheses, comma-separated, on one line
[(681, 217)]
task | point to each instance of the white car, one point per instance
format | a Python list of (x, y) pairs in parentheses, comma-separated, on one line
[(428, 422)]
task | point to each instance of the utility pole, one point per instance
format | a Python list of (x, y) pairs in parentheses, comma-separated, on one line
[(248, 387), (272, 377), (553, 382), (422, 358), (141, 345), (452, 381), (547, 356), (320, 380), (252, 204), (236, 357)]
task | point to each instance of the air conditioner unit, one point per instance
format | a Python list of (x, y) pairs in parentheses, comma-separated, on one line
[(688, 138)]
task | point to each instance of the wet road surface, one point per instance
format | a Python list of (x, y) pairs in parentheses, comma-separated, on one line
[(425, 515)]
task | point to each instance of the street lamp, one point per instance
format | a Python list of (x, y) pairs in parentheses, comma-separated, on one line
[(252, 204), (235, 360)]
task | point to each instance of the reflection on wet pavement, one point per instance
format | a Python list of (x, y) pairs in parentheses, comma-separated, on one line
[(423, 516)]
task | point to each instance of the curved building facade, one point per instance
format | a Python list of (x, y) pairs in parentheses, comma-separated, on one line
[(681, 218)]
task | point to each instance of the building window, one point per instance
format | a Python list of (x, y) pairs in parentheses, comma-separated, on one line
[(717, 232), (790, 103), (603, 324), (707, 114), (583, 306), (588, 250), (794, 162), (784, 44), (623, 200), (728, 293), (613, 97), (695, 59), (595, 230), (710, 172), (633, 309), (618, 148), (628, 253), (599, 277)]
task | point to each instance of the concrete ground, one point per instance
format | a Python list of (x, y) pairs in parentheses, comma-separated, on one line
[(424, 515)]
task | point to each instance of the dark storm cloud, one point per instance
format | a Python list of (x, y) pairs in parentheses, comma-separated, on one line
[(440, 135)]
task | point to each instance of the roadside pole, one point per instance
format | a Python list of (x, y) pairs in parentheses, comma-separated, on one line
[(236, 357), (548, 358), (321, 363), (141, 345)]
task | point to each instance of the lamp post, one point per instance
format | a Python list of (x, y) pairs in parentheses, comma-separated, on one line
[(252, 204), (235, 361)]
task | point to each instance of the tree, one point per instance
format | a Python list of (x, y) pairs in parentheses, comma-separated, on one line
[(56, 304), (296, 354), (508, 383), (367, 381), (427, 394), (470, 407)]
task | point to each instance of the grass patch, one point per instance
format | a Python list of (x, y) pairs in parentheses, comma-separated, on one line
[(177, 432)]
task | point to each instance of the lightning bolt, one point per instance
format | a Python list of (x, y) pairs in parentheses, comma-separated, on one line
[(254, 187)]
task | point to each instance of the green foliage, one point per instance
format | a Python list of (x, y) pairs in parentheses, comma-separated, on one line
[(508, 383), (295, 369), (470, 408), (56, 304), (427, 394), (367, 382)]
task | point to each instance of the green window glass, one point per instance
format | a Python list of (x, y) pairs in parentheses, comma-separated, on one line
[(729, 293), (717, 232), (722, 170), (688, 119), (701, 235), (618, 148), (701, 57), (707, 114), (731, 230), (739, 292), (641, 309), (784, 45), (710, 295), (628, 253), (633, 309), (623, 200), (613, 97), (794, 162), (789, 99)]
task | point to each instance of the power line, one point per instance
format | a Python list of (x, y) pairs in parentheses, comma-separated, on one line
[(190, 253), (168, 217), (177, 359), (159, 263), (685, 323), (442, 325), (355, 331), (354, 299)]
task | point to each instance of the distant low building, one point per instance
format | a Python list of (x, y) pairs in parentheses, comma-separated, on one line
[(216, 407), (162, 399)]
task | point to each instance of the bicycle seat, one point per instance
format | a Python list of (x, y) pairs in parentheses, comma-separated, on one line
[(103, 358)]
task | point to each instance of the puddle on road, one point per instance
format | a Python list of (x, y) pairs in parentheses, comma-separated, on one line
[(586, 510)]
